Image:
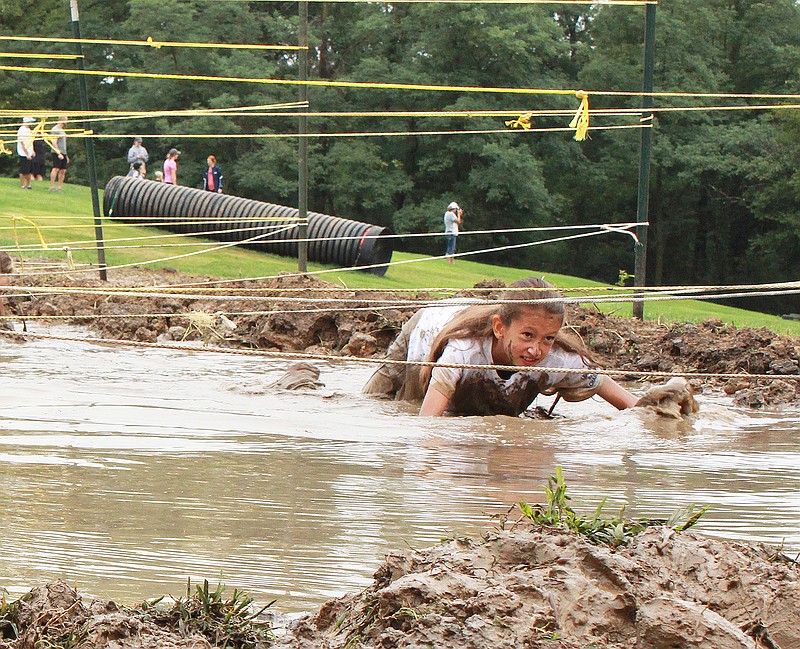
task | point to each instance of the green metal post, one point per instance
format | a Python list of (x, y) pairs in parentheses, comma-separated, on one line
[(642, 210), (98, 225), (302, 145)]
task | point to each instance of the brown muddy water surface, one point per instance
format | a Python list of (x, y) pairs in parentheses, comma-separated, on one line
[(126, 471)]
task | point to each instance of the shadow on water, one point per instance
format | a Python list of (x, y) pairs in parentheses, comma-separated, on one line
[(127, 471)]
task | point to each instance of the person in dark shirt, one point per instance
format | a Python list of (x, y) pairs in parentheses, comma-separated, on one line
[(212, 177)]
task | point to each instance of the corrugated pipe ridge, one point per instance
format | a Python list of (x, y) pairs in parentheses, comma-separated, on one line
[(186, 210)]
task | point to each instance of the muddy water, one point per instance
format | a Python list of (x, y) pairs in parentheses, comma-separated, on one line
[(127, 471)]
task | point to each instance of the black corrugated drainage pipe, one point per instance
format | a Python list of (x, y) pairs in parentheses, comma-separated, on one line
[(186, 210)]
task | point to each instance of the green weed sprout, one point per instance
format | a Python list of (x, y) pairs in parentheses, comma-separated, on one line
[(614, 532)]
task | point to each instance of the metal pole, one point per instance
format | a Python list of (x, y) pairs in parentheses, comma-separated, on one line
[(98, 225), (302, 146), (642, 209)]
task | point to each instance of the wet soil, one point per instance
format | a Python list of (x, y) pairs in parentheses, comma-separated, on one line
[(276, 320), (528, 586)]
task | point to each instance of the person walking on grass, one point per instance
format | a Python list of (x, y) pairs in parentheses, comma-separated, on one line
[(452, 219), (58, 142), (171, 167), (25, 152)]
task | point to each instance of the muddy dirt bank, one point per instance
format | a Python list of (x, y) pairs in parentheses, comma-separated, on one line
[(541, 587), (275, 315), (527, 587)]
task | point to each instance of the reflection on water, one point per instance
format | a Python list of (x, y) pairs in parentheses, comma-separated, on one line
[(126, 471)]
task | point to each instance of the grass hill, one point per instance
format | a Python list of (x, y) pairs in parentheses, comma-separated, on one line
[(64, 219)]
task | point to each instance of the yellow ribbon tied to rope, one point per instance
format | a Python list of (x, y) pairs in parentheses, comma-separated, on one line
[(4, 148), (581, 120), (523, 122), (14, 220), (70, 260), (153, 43)]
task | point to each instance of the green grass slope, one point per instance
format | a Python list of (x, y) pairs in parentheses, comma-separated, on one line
[(65, 219)]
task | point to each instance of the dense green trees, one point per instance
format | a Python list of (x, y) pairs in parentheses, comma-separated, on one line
[(725, 197)]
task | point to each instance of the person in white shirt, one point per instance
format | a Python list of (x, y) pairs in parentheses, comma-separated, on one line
[(452, 219), (25, 152)]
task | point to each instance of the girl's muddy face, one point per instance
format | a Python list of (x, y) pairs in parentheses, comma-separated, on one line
[(527, 340)]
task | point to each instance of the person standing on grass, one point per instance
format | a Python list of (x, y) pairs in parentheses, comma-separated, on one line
[(171, 167), (58, 142), (452, 219), (137, 153), (39, 167), (212, 177), (25, 152)]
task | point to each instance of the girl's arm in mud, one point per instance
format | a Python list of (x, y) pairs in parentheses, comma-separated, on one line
[(616, 395), (434, 404)]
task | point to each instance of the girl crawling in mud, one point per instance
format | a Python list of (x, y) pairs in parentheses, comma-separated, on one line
[(525, 330)]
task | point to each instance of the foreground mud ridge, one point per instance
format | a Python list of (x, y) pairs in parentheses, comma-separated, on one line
[(340, 323), (530, 587)]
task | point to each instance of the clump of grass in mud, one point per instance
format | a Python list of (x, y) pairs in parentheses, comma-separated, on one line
[(54, 628), (225, 622), (614, 531), (8, 617)]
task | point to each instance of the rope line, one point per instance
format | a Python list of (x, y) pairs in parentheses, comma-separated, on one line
[(263, 111), (327, 83), (351, 134), (350, 268), (29, 55), (414, 261), (386, 361), (32, 247), (150, 43), (163, 259), (379, 304), (201, 291)]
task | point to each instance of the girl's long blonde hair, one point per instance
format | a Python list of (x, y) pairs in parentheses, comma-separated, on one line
[(532, 293)]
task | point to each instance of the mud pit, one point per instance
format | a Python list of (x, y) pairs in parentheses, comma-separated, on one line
[(524, 588), (529, 587), (355, 329)]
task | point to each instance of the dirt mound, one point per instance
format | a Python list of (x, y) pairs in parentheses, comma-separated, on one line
[(55, 615), (546, 588), (304, 314), (535, 587)]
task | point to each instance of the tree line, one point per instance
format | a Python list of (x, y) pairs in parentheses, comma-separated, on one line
[(725, 189)]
